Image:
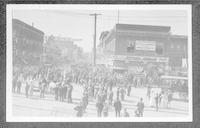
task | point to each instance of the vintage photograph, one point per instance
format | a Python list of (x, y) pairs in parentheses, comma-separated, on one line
[(73, 63)]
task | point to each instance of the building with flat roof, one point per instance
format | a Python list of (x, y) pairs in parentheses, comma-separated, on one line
[(61, 49), (27, 43), (128, 46)]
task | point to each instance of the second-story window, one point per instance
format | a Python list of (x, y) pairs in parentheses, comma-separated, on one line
[(159, 49), (131, 47)]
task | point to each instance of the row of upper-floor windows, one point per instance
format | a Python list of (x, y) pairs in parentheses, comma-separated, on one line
[(177, 46)]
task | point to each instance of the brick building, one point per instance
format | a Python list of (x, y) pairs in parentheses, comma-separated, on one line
[(128, 46), (27, 43)]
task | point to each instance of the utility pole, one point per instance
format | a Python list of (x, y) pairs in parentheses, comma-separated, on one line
[(94, 47)]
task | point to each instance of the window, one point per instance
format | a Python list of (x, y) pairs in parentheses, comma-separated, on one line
[(131, 47), (159, 49)]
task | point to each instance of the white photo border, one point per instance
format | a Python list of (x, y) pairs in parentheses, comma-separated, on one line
[(9, 67)]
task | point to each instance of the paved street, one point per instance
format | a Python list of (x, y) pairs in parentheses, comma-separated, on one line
[(35, 106)]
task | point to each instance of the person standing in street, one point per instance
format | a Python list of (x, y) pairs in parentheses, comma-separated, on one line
[(148, 91), (129, 90), (169, 97), (28, 82), (61, 92), (140, 107), (85, 100), (99, 106), (157, 101), (92, 89), (160, 98), (69, 93), (19, 83), (118, 92), (110, 97), (117, 106), (105, 109), (43, 85), (56, 89), (65, 89), (104, 95), (96, 90), (122, 92)]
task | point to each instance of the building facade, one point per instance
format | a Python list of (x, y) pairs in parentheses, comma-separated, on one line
[(27, 43), (177, 51), (61, 50), (128, 46)]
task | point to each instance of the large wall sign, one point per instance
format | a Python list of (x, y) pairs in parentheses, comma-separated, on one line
[(145, 45)]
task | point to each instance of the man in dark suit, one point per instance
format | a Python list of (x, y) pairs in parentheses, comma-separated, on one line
[(140, 107), (118, 106)]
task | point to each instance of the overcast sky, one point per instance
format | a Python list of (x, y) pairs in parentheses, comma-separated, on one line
[(79, 25)]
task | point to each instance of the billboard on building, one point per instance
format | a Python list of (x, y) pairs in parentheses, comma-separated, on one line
[(145, 45)]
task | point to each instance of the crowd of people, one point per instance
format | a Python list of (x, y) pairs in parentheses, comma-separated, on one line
[(159, 98), (98, 84)]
